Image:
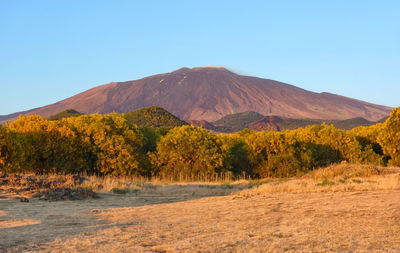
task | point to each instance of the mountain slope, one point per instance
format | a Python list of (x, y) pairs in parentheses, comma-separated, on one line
[(209, 93)]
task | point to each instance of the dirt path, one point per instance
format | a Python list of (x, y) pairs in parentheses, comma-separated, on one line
[(319, 222)]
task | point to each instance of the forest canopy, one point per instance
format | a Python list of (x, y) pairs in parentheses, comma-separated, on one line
[(111, 145)]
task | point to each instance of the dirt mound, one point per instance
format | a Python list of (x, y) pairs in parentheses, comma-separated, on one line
[(57, 194), (52, 188), (29, 182)]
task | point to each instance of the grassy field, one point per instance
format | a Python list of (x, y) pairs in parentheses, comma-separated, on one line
[(341, 208)]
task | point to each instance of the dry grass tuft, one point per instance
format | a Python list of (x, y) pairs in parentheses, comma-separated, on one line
[(126, 185), (110, 183)]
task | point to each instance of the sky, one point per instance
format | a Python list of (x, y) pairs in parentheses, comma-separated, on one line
[(51, 50)]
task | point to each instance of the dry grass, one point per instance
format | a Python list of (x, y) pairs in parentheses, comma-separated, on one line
[(341, 208), (336, 178), (135, 185), (345, 171), (305, 222)]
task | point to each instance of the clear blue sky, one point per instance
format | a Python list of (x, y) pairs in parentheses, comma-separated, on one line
[(51, 50)]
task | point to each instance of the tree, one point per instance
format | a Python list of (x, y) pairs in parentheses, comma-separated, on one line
[(8, 150), (266, 148), (113, 145), (188, 153), (389, 137), (236, 155), (48, 146)]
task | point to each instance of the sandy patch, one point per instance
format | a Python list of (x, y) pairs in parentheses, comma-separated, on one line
[(62, 219), (17, 223), (2, 213)]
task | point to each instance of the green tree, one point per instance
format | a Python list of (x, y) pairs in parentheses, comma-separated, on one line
[(236, 155)]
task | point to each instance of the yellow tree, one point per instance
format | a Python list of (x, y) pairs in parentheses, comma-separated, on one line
[(389, 137), (188, 153), (113, 145), (274, 154), (7, 150), (47, 146)]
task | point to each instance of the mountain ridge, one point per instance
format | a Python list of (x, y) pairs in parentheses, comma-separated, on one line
[(209, 93)]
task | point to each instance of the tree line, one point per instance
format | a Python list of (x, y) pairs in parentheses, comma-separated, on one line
[(111, 145)]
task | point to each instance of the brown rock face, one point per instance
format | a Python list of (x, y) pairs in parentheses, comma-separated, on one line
[(201, 123), (209, 93), (268, 123)]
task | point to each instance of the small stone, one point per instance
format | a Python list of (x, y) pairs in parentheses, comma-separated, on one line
[(25, 200)]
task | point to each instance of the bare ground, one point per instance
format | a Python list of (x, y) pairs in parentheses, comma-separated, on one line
[(355, 218)]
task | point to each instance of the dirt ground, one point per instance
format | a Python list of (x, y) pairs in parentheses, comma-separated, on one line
[(187, 219)]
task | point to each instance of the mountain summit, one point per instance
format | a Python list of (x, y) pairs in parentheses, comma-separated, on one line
[(209, 93)]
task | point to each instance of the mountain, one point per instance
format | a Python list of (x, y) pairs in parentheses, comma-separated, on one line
[(153, 116), (209, 93), (65, 114)]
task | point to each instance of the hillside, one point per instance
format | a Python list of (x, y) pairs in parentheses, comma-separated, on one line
[(255, 121), (209, 93), (153, 116), (347, 124), (202, 123), (65, 114), (238, 121), (267, 123)]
